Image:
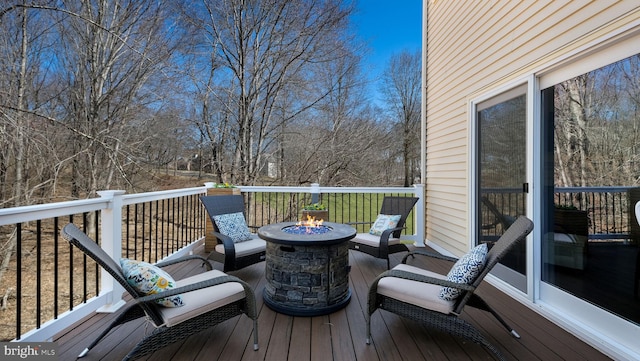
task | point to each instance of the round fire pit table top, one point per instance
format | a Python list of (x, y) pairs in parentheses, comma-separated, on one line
[(336, 234)]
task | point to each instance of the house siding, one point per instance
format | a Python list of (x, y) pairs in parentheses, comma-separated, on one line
[(474, 47)]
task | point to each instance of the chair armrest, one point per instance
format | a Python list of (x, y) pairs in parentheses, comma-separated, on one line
[(425, 253), (185, 259), (229, 249), (386, 234), (350, 223), (222, 238)]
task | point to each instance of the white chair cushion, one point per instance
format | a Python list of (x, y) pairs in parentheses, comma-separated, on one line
[(202, 300), (255, 245), (564, 237), (372, 240), (421, 294)]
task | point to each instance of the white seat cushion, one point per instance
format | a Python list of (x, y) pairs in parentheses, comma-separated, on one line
[(421, 294), (564, 237), (202, 300), (372, 240), (255, 245)]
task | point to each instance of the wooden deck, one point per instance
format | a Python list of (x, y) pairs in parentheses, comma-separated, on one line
[(340, 336)]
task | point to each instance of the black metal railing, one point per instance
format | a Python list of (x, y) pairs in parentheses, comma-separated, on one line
[(44, 277), (155, 229), (271, 207), (608, 208)]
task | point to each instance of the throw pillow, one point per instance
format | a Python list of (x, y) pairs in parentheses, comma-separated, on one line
[(384, 222), (465, 270), (233, 225), (149, 279)]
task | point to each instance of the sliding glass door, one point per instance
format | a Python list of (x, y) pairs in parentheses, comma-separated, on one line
[(501, 176)]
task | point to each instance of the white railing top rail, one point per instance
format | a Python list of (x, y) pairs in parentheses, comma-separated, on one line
[(50, 210), (159, 195), (319, 189), (58, 209)]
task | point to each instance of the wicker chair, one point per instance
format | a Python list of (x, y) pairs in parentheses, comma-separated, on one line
[(233, 255), (500, 219), (209, 298), (389, 242), (414, 293)]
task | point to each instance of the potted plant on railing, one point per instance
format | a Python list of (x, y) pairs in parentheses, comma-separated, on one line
[(569, 219), (316, 210), (569, 247), (215, 189)]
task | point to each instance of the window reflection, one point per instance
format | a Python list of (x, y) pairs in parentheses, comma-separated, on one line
[(592, 143)]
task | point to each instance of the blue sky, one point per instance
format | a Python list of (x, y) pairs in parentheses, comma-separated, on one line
[(389, 27)]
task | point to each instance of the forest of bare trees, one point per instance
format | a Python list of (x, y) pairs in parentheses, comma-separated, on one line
[(597, 128), (110, 94)]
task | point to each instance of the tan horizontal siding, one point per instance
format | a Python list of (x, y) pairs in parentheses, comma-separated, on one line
[(473, 48)]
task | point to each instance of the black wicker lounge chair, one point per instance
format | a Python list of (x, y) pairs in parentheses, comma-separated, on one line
[(233, 254), (388, 242), (502, 219), (415, 293), (209, 298)]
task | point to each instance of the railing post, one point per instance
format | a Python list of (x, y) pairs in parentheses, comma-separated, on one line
[(315, 192), (419, 215), (111, 235)]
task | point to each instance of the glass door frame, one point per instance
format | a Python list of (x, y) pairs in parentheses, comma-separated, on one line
[(530, 282)]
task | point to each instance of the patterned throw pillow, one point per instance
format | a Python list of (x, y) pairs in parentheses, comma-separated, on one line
[(233, 225), (384, 222), (149, 279), (465, 270)]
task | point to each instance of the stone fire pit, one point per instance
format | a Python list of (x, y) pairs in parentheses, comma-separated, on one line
[(307, 270)]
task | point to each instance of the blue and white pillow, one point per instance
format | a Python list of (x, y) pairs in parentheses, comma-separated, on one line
[(384, 222), (233, 225), (149, 279), (465, 270)]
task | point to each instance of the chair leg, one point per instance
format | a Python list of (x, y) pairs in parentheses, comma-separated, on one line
[(132, 313), (477, 302), (255, 334), (368, 331)]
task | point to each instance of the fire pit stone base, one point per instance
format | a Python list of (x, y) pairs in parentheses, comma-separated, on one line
[(307, 280)]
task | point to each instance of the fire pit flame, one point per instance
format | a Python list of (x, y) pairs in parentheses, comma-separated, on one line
[(309, 226), (310, 222)]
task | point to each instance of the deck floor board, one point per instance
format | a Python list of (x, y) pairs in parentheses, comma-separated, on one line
[(341, 335)]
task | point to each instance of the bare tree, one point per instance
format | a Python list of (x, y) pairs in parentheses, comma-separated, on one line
[(401, 87), (338, 140), (261, 50), (111, 51)]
